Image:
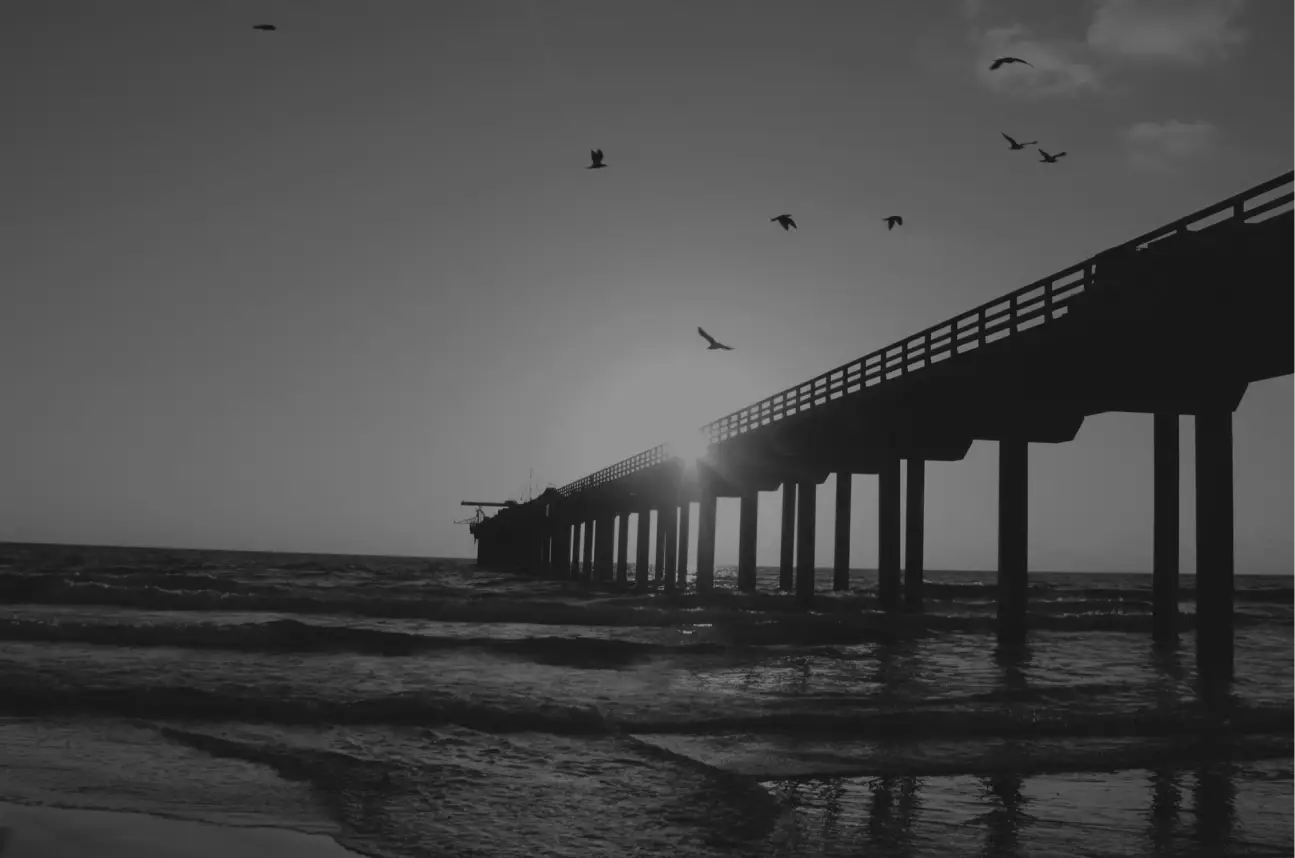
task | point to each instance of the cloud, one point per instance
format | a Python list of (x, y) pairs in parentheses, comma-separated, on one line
[(1056, 69), (1181, 32), (1187, 31), (1162, 146)]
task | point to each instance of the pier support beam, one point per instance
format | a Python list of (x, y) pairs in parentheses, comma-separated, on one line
[(888, 534), (587, 573), (659, 569), (671, 545), (915, 535), (1214, 545), (573, 561), (562, 549), (623, 549), (1164, 584), (681, 562), (746, 532), (707, 512), (643, 549), (806, 522), (787, 555), (1013, 538), (605, 559), (841, 545)]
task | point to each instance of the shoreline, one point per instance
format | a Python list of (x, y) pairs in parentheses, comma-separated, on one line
[(43, 831)]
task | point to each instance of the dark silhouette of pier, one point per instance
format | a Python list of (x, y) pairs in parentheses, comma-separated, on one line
[(1178, 321)]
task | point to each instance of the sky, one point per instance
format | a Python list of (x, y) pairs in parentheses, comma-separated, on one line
[(307, 290)]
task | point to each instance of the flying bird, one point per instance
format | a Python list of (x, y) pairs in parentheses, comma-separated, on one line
[(714, 343), (1016, 145), (597, 156), (785, 220), (893, 221), (267, 27), (1050, 159), (1002, 60)]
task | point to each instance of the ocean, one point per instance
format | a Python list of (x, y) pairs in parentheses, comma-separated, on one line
[(426, 707)]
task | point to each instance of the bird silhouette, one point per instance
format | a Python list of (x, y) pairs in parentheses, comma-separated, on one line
[(597, 156), (714, 343), (267, 27), (785, 220), (1016, 145), (1002, 60), (893, 221), (1050, 159)]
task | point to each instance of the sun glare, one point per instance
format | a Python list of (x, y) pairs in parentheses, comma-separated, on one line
[(689, 446)]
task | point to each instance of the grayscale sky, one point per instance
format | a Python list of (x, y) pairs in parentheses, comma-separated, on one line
[(307, 290)]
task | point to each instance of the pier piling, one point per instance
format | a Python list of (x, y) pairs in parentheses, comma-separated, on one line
[(915, 534), (805, 527), (1013, 537), (1214, 544), (746, 533), (888, 534), (786, 555), (841, 545), (707, 512), (1164, 585)]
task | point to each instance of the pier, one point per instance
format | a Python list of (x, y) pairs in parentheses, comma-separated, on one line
[(1178, 321)]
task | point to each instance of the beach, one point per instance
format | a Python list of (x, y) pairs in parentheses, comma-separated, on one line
[(49, 832), (406, 707)]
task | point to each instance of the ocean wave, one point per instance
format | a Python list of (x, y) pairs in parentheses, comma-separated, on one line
[(716, 632), (1042, 717)]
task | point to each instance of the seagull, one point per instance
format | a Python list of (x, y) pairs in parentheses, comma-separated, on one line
[(1050, 159), (893, 221), (597, 156), (1016, 145), (714, 343), (786, 221), (267, 27), (1001, 60)]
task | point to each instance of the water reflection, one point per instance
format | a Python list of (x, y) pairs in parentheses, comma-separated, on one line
[(1162, 815), (1214, 803), (1006, 818), (1013, 662), (891, 814)]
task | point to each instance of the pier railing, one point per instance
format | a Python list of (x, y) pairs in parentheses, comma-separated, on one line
[(1038, 303)]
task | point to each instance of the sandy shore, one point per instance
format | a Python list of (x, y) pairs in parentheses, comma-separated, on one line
[(51, 832)]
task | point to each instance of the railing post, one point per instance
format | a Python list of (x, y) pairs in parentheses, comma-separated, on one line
[(980, 323), (1048, 290)]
